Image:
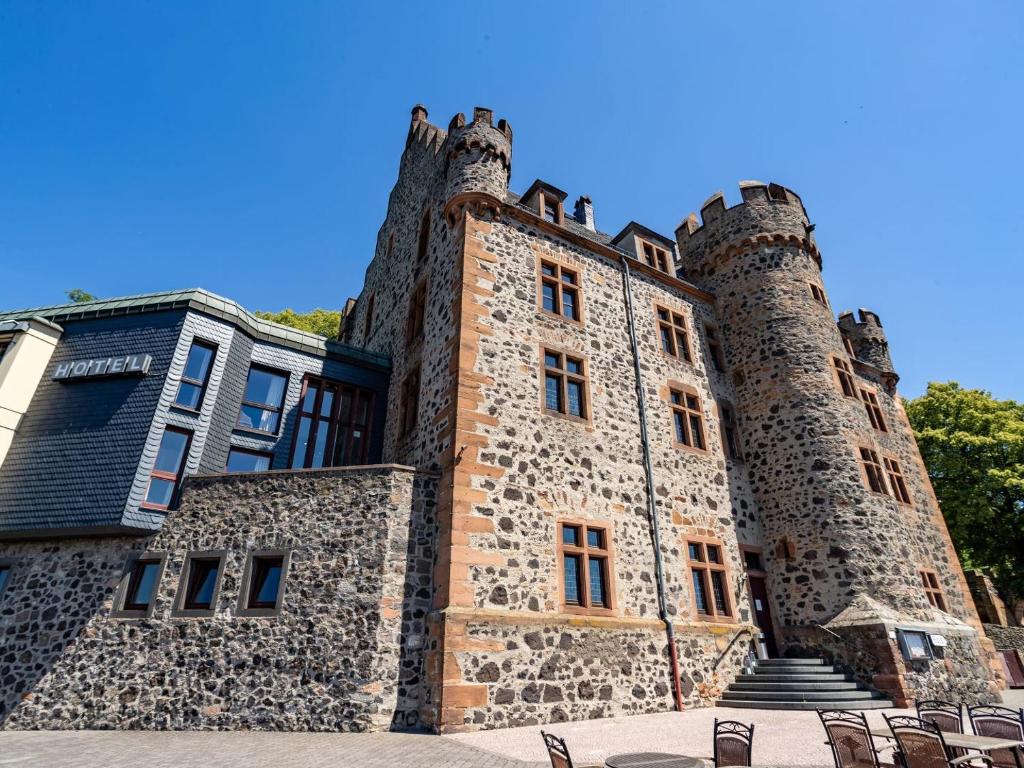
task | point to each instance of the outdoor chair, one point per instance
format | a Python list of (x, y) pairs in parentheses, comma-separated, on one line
[(1000, 723), (946, 715), (558, 752), (920, 745), (733, 741), (850, 739)]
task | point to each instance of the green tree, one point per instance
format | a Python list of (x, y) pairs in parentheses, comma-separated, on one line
[(973, 446), (322, 321), (78, 296)]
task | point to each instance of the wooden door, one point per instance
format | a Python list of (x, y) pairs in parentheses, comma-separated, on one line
[(1013, 668), (763, 613)]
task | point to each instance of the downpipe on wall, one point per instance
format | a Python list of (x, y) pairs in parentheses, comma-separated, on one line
[(652, 511)]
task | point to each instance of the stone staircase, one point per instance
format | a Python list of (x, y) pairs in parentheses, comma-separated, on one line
[(799, 684)]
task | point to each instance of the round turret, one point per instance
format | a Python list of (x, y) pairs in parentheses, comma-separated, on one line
[(801, 433), (869, 343), (478, 156)]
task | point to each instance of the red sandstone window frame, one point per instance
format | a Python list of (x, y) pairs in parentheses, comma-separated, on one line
[(584, 552), (409, 402), (703, 569), (874, 410), (872, 472), (655, 256), (551, 273), (848, 346), (843, 375), (416, 319), (897, 481), (685, 407), (546, 202), (730, 431), (564, 374), (368, 318), (818, 294), (932, 588), (714, 348), (673, 333)]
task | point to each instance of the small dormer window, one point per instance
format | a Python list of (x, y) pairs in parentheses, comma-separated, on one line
[(551, 208), (655, 256)]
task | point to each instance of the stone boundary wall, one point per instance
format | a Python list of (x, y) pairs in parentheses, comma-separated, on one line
[(1006, 638), (329, 661)]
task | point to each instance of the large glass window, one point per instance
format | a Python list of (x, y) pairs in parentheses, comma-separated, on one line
[(170, 460), (263, 400), (873, 470), (586, 562), (243, 460), (195, 376), (334, 425), (710, 580), (687, 418), (672, 334), (565, 384), (559, 290)]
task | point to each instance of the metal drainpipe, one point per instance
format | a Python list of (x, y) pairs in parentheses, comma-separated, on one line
[(649, 471)]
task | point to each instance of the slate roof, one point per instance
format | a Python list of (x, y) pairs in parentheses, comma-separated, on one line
[(201, 300)]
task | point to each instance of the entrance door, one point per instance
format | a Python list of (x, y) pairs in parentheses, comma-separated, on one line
[(762, 613), (1013, 669)]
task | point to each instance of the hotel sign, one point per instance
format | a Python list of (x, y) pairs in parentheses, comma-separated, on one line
[(125, 365)]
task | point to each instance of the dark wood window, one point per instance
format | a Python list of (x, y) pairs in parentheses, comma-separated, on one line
[(896, 480), (655, 256), (559, 290), (730, 432), (368, 319), (201, 583), (818, 294), (196, 375), (687, 418), (245, 460), (424, 241), (674, 338), (143, 580), (334, 425), (410, 402), (565, 384), (710, 579), (714, 349), (417, 313), (874, 410), (845, 377), (263, 400), (932, 589), (551, 209), (265, 581), (848, 346), (752, 560), (585, 553), (873, 470), (166, 474)]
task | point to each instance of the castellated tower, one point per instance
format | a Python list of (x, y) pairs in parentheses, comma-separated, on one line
[(841, 554)]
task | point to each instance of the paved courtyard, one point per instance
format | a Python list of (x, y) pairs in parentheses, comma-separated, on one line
[(780, 738)]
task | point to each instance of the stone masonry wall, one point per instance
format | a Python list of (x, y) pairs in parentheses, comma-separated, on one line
[(329, 661)]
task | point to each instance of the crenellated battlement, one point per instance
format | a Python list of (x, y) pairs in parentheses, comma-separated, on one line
[(769, 215), (478, 155), (423, 134), (867, 337)]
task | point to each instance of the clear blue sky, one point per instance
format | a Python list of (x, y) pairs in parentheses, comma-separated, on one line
[(249, 147)]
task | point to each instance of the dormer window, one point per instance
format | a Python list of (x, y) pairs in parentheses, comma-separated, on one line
[(655, 256), (551, 212), (546, 201)]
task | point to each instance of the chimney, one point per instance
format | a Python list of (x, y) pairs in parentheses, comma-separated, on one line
[(584, 213), (419, 112)]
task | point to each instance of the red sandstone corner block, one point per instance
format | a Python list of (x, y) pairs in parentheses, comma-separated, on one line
[(465, 696)]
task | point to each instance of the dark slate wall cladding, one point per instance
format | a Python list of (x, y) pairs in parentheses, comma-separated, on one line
[(75, 455)]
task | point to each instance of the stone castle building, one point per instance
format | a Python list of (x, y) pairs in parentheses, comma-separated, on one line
[(609, 470)]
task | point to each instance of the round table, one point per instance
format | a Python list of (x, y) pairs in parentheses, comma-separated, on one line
[(653, 760)]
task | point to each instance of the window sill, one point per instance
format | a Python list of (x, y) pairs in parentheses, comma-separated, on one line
[(690, 449), (567, 417), (705, 618), (154, 507), (256, 432), (545, 314), (577, 610), (186, 409)]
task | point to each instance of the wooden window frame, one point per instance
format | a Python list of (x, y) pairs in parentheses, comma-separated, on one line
[(668, 321), (843, 376), (584, 552), (204, 383), (560, 286), (279, 409), (543, 201), (687, 412), (933, 588), (818, 294), (368, 318), (871, 470), (759, 551), (244, 608), (730, 439), (334, 421), (869, 397), (705, 568), (180, 609), (415, 321), (423, 238), (121, 610), (251, 451), (564, 377), (715, 351), (409, 402), (897, 480), (163, 475), (655, 256)]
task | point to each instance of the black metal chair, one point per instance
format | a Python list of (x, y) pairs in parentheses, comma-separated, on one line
[(558, 752), (733, 743), (946, 715), (1000, 723), (920, 745), (850, 739)]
